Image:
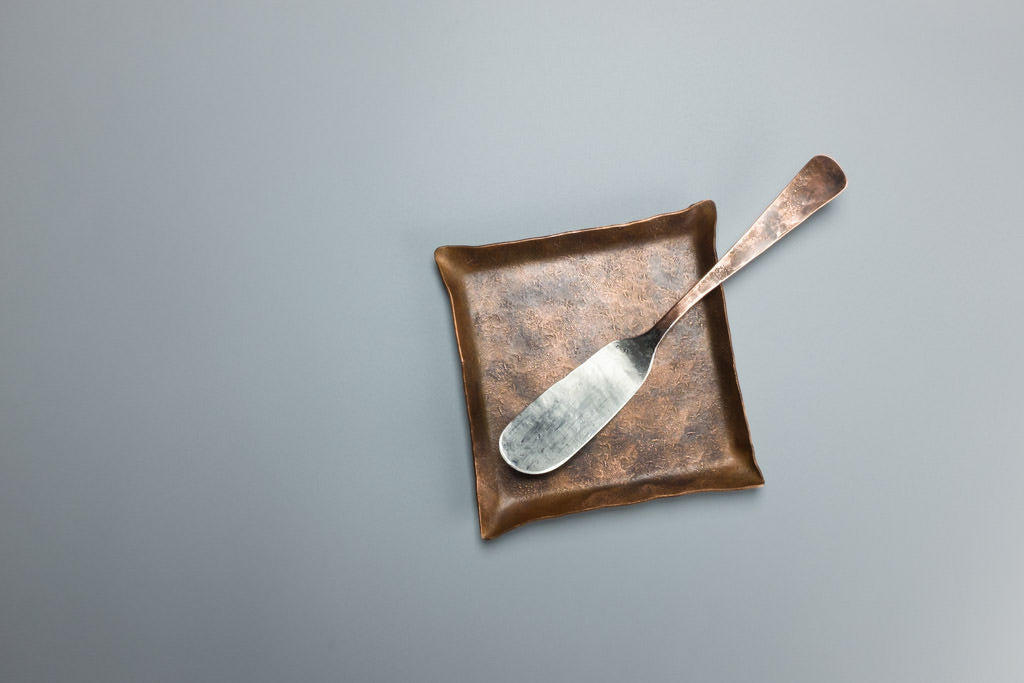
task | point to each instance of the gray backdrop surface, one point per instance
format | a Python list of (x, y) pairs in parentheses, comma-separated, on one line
[(233, 442)]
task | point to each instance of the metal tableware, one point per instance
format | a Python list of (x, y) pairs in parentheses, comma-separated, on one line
[(526, 312), (558, 423)]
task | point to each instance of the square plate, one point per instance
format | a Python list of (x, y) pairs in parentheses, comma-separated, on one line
[(528, 312)]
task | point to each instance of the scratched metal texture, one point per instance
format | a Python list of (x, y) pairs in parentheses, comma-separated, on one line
[(527, 312)]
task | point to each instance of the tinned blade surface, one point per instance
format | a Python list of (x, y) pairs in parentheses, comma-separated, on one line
[(572, 411)]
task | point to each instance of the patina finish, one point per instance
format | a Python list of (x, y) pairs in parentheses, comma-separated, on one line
[(528, 312)]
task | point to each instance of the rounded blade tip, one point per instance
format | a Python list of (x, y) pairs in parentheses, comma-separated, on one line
[(518, 463)]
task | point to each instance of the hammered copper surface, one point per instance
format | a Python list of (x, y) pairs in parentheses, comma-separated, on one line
[(528, 312)]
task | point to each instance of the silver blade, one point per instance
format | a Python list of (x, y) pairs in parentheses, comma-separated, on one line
[(573, 410)]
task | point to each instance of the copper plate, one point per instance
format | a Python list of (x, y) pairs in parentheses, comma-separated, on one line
[(528, 312)]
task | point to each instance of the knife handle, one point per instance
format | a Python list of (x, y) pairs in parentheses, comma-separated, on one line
[(818, 182)]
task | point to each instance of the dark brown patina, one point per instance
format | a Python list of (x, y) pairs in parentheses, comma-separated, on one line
[(528, 312)]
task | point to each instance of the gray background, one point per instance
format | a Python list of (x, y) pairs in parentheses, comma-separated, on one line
[(233, 443)]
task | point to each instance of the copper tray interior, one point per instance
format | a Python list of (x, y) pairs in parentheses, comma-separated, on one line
[(528, 312)]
